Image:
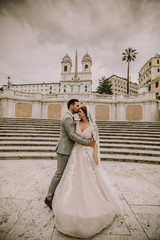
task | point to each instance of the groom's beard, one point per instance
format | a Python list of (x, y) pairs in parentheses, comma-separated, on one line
[(74, 111)]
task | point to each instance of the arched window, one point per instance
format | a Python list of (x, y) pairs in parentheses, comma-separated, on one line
[(149, 88), (65, 68), (86, 67), (157, 84), (85, 88)]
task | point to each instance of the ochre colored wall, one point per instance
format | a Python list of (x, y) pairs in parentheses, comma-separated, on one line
[(134, 113), (23, 110), (54, 111), (102, 112)]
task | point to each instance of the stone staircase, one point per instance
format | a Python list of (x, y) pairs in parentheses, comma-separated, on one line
[(119, 141)]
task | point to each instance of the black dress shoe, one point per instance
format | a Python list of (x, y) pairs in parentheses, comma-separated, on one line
[(49, 203)]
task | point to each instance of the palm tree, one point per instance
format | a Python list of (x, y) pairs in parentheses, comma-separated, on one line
[(128, 56)]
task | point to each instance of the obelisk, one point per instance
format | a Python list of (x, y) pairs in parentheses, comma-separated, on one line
[(76, 66)]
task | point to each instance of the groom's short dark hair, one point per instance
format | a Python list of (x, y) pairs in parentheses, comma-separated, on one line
[(72, 102)]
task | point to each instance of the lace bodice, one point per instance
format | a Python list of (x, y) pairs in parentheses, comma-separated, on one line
[(86, 133)]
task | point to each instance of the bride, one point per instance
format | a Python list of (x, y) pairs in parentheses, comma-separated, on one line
[(84, 201)]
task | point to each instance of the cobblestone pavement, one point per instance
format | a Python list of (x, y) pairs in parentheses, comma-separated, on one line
[(23, 214)]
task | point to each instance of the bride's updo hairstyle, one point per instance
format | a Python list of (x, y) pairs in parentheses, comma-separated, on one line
[(84, 109)]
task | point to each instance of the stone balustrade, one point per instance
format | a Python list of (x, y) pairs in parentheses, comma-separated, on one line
[(140, 107)]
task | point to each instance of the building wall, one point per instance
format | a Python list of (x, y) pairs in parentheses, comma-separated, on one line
[(154, 86), (119, 85), (44, 88), (142, 107), (149, 73)]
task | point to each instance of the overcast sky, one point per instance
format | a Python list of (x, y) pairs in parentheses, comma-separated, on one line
[(36, 34)]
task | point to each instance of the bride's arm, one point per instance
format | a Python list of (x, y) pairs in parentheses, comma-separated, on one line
[(95, 154)]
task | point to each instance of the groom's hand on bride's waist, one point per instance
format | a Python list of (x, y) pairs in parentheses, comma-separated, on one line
[(90, 142)]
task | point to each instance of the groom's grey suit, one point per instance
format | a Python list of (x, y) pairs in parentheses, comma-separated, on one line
[(63, 149)]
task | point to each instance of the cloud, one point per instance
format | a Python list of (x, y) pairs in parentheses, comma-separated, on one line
[(35, 35)]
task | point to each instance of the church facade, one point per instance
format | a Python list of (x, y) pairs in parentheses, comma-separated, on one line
[(71, 81), (76, 82)]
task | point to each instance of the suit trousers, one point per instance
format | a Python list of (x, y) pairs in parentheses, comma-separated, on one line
[(61, 164)]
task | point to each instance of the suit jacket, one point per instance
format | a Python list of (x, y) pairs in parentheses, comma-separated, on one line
[(68, 136)]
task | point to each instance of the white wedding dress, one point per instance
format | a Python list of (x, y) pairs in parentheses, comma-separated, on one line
[(84, 201)]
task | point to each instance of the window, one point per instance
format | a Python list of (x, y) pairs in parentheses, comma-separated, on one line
[(150, 64), (86, 67), (65, 68), (157, 84), (64, 88), (157, 61), (85, 88), (50, 87), (149, 88), (158, 69)]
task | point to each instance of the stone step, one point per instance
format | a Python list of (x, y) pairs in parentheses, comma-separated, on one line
[(16, 137), (22, 138), (129, 138), (51, 141), (129, 135), (130, 152), (119, 141), (121, 151), (129, 142), (102, 125), (54, 120), (9, 146), (104, 157), (101, 131), (23, 131), (28, 143), (27, 155), (52, 133), (28, 125), (106, 123), (26, 135), (133, 146), (128, 124), (27, 149), (131, 158), (4, 124)]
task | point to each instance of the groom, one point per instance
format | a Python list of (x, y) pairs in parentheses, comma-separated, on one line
[(64, 146)]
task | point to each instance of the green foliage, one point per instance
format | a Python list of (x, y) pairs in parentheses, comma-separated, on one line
[(105, 86), (129, 55)]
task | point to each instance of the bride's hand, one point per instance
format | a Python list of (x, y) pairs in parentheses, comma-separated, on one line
[(96, 159)]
